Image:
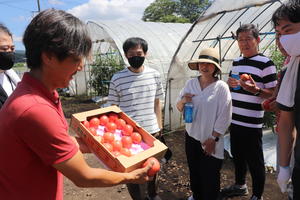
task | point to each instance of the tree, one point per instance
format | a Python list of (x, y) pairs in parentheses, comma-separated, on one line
[(176, 11)]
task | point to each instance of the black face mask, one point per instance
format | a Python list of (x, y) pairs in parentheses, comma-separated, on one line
[(7, 60), (136, 61)]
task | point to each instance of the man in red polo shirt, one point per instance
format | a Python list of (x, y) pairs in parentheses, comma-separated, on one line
[(35, 147)]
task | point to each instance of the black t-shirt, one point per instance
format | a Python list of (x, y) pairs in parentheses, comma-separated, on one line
[(296, 109)]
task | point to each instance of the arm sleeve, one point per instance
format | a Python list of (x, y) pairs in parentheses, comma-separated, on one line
[(113, 95), (45, 132), (223, 117), (269, 75)]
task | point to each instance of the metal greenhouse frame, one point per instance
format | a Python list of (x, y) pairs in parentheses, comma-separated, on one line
[(215, 28)]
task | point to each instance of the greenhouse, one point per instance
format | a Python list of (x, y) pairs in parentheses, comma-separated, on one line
[(108, 37), (216, 28), (172, 45)]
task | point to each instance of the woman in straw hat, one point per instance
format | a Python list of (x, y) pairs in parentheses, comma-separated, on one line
[(204, 143)]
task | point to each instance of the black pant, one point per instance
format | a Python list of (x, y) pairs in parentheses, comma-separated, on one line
[(246, 149), (204, 171), (296, 183), (137, 191)]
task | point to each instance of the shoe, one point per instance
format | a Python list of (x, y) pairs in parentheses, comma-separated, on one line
[(234, 190), (256, 198), (191, 197), (156, 197)]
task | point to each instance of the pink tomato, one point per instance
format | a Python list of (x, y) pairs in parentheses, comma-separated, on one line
[(126, 141), (108, 137), (127, 129), (94, 122), (103, 120), (110, 127), (136, 137)]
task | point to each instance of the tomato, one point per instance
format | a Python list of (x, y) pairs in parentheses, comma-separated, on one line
[(120, 123), (125, 152), (99, 138), (245, 77), (108, 146), (113, 117), (126, 141), (103, 120), (116, 153), (108, 137), (266, 104), (93, 131), (155, 167), (110, 127), (94, 122), (136, 137), (117, 145), (86, 123), (127, 129)]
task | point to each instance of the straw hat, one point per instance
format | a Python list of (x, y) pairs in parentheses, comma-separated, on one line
[(209, 55)]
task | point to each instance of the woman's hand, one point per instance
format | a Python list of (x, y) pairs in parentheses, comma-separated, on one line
[(232, 82), (187, 97), (209, 146)]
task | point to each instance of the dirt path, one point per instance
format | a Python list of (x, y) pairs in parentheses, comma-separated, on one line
[(174, 179)]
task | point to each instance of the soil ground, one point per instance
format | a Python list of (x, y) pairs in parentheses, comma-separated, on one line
[(174, 176)]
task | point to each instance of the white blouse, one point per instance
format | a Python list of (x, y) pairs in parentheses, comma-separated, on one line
[(211, 112)]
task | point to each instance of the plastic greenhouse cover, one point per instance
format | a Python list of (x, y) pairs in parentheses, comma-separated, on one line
[(215, 28)]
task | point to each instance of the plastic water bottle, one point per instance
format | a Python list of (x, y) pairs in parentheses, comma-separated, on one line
[(188, 112), (236, 76)]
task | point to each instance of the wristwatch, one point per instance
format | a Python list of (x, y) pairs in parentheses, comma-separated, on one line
[(216, 139), (258, 93)]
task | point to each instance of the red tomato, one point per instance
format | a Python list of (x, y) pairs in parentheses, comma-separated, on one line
[(136, 137), (108, 146), (245, 77), (266, 104), (155, 167), (117, 145), (126, 141), (110, 127), (127, 129), (125, 152), (103, 120), (116, 153), (120, 123), (113, 117), (93, 131), (86, 123), (94, 122), (99, 138), (108, 137)]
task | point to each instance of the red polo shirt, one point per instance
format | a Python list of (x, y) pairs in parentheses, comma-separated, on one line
[(33, 137)]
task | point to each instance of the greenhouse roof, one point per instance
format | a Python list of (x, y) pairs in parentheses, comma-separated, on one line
[(216, 28), (163, 39)]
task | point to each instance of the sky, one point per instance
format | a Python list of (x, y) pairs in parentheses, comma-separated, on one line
[(17, 14)]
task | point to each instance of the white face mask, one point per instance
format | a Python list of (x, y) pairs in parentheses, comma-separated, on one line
[(291, 43)]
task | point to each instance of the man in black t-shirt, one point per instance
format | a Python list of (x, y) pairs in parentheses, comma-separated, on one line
[(287, 24)]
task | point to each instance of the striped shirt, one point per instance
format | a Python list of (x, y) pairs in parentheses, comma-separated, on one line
[(247, 110), (135, 94)]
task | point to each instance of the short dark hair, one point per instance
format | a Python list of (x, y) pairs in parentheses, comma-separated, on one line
[(133, 42), (288, 11), (4, 29), (57, 32), (248, 27)]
